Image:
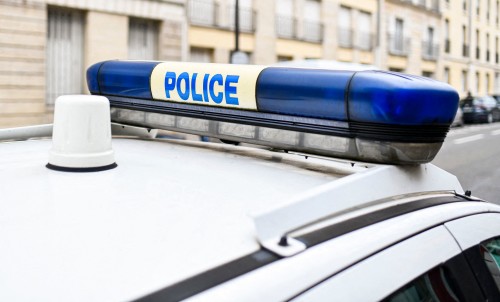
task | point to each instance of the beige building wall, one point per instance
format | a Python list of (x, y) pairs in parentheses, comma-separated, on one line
[(23, 46), (471, 68), (413, 58), (261, 42), (23, 42), (355, 53), (265, 51), (106, 37), (22, 62)]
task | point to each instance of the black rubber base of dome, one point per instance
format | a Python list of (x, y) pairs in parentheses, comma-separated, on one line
[(90, 169)]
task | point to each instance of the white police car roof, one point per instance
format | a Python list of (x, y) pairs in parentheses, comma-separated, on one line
[(170, 210)]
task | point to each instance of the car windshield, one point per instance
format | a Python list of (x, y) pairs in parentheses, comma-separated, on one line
[(469, 102), (489, 101)]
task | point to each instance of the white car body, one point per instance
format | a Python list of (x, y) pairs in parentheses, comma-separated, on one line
[(174, 209)]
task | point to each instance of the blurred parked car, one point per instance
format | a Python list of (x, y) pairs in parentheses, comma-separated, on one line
[(496, 97), (458, 121), (484, 109)]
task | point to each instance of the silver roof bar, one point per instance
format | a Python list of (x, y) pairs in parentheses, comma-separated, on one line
[(345, 194), (45, 130)]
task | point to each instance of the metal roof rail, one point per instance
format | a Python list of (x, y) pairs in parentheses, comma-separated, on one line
[(45, 130), (23, 133), (348, 193)]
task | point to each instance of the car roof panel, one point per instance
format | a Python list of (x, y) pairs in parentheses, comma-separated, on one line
[(170, 210)]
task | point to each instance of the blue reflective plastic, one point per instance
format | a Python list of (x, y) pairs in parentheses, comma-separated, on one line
[(400, 99), (126, 78), (371, 96), (92, 79), (303, 92)]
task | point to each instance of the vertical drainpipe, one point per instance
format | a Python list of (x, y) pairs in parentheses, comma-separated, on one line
[(378, 42), (470, 74), (237, 26)]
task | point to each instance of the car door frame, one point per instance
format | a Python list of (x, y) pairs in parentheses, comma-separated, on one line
[(423, 251), (470, 232)]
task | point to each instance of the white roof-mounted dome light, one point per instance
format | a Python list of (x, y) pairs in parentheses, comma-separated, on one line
[(81, 139)]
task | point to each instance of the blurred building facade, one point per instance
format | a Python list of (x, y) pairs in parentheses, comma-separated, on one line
[(46, 45), (393, 34), (456, 41), (471, 31)]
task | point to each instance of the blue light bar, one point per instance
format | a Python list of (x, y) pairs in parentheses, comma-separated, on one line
[(377, 116), (121, 78), (400, 99)]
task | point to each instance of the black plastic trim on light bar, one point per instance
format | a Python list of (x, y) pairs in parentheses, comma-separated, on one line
[(399, 133)]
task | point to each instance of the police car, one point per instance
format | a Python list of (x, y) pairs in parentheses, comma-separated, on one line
[(325, 192)]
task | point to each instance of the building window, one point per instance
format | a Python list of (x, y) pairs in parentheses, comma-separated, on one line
[(203, 12), (478, 82), (64, 67), (487, 83), (313, 30), (364, 36), (398, 44), (201, 55), (447, 36), (446, 75), (496, 51), (285, 22), (282, 58), (345, 27), (464, 81), (497, 82), (142, 39), (478, 50), (435, 5), (465, 46), (488, 7), (429, 48), (498, 13), (428, 74), (487, 47), (395, 69)]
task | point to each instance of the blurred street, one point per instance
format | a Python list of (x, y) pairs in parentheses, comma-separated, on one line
[(472, 153)]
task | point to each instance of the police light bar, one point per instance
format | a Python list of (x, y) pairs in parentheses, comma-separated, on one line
[(373, 116)]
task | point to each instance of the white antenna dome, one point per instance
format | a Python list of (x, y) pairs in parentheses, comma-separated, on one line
[(81, 139)]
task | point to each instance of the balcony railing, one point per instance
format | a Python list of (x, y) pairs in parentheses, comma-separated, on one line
[(398, 45), (286, 27), (345, 37), (313, 31), (364, 40), (207, 13), (430, 51), (203, 12), (421, 3), (246, 19), (435, 6)]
